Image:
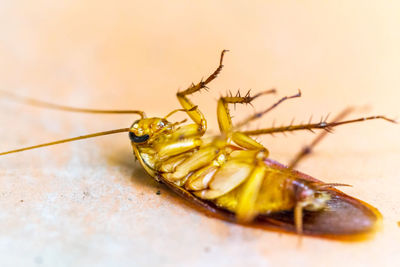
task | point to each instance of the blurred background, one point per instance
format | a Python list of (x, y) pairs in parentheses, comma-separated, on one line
[(89, 203)]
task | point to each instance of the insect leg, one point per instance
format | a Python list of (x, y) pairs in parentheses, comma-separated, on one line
[(327, 126), (187, 104), (246, 210), (307, 150), (200, 158), (298, 218), (224, 117), (43, 104), (247, 142), (234, 173), (262, 113), (176, 147)]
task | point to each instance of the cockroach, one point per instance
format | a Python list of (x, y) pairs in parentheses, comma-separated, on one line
[(231, 174)]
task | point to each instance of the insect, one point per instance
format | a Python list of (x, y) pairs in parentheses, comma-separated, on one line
[(231, 174)]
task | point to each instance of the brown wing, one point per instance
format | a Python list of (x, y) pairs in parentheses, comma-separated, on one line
[(346, 217)]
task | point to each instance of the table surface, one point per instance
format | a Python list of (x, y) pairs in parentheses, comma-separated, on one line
[(89, 203)]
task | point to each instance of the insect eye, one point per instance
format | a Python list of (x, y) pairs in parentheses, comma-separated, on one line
[(138, 139)]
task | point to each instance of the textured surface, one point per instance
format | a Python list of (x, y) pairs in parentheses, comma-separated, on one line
[(89, 203)]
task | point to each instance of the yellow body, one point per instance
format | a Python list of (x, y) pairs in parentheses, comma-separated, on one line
[(228, 170), (234, 178), (232, 170)]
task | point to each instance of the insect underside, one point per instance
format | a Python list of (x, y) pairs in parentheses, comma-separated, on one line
[(231, 175)]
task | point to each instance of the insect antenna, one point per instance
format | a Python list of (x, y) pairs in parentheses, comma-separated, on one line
[(180, 110), (43, 104), (67, 140)]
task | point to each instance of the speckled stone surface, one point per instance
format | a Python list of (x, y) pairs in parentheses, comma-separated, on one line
[(89, 203)]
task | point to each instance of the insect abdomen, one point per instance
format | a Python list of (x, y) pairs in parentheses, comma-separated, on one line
[(274, 194), (218, 174)]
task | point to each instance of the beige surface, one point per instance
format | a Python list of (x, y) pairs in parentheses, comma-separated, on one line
[(89, 203)]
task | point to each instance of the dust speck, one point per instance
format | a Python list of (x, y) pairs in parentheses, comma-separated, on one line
[(85, 194)]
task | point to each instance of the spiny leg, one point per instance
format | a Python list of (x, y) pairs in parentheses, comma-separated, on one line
[(185, 102), (223, 114), (307, 150), (261, 113), (225, 120), (327, 126), (44, 104)]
